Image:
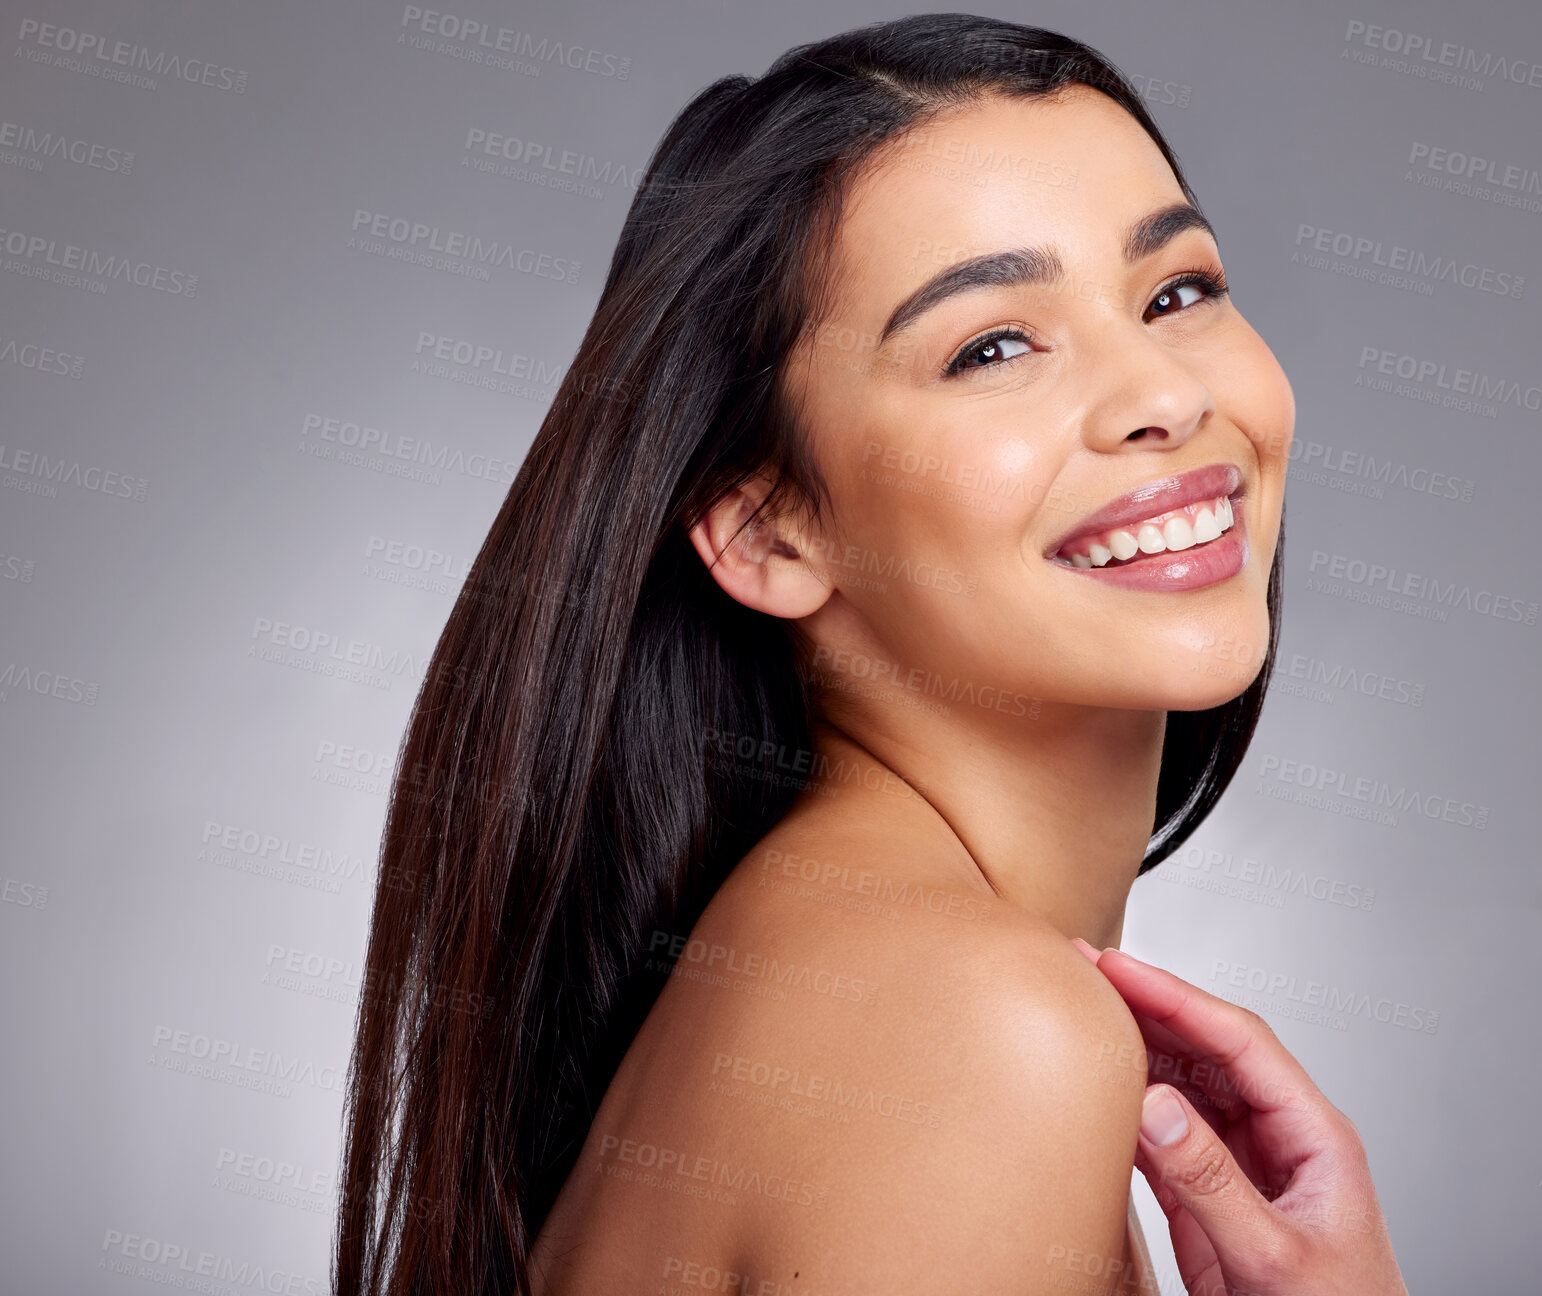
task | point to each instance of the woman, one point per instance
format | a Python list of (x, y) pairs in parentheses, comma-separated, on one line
[(900, 552)]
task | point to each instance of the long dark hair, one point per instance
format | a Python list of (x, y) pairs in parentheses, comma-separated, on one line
[(555, 800)]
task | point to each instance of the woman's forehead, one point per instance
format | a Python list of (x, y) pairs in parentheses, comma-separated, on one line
[(1069, 171)]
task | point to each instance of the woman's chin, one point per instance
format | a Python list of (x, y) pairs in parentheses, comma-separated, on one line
[(1207, 683)]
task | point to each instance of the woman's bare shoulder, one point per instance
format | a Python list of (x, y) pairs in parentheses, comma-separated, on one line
[(863, 1074), (926, 943), (947, 1082)]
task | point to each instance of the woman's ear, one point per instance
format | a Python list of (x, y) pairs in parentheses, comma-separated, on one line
[(766, 565)]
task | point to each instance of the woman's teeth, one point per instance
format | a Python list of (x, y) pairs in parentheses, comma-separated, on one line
[(1176, 530)]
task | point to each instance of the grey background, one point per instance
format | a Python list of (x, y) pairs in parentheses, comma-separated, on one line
[(192, 809)]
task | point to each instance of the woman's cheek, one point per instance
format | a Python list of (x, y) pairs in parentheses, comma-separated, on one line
[(1267, 410), (1013, 480)]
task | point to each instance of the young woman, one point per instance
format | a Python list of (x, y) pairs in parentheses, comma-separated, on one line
[(894, 580)]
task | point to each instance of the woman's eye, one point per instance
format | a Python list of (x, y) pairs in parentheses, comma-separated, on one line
[(990, 351), (1171, 300)]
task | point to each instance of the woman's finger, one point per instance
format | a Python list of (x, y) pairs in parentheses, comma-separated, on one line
[(1219, 1222), (1260, 1070), (1171, 1061), (1203, 1080)]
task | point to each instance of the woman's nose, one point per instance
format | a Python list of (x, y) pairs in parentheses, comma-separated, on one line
[(1142, 391)]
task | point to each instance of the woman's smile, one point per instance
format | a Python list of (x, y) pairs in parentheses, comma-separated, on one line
[(1157, 568), (1178, 533)]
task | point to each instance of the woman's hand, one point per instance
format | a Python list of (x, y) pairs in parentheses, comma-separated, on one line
[(1264, 1182)]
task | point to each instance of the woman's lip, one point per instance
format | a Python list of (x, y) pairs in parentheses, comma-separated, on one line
[(1152, 498), (1184, 569)]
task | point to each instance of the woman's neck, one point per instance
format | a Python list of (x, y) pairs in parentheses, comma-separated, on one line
[(1053, 812)]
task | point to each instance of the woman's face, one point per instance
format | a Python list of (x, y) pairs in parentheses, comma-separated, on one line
[(978, 446)]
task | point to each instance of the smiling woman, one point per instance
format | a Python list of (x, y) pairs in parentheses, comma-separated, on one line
[(914, 528)]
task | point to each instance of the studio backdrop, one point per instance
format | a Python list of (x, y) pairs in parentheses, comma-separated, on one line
[(285, 293)]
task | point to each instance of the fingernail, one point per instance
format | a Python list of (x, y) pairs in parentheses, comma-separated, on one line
[(1162, 1119), (1085, 948)]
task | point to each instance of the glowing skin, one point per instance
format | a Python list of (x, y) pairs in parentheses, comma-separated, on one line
[(1104, 386)]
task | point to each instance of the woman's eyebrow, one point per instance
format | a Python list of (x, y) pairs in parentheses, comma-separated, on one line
[(1023, 266)]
